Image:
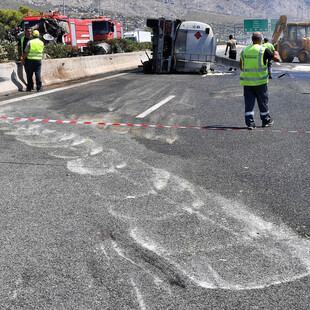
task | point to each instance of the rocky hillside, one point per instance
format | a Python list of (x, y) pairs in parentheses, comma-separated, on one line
[(225, 16), (172, 8)]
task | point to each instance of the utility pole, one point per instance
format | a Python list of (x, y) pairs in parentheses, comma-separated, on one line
[(297, 13), (157, 9), (125, 23)]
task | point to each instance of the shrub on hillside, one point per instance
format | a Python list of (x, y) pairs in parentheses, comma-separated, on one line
[(145, 46), (3, 54), (10, 19), (127, 46), (92, 48), (60, 51), (8, 51)]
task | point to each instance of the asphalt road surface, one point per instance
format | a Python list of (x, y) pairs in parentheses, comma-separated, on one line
[(100, 216)]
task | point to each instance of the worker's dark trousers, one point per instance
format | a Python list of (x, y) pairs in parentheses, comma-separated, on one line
[(33, 66), (269, 68), (261, 94), (26, 65), (233, 54)]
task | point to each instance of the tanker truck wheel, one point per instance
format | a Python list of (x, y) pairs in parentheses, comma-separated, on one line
[(303, 56), (147, 67), (286, 53)]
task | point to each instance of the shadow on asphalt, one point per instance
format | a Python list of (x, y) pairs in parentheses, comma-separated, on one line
[(217, 127)]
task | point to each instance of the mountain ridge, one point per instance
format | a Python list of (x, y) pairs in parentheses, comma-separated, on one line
[(171, 8)]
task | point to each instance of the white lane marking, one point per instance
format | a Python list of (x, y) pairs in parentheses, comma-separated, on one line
[(139, 295), (155, 107), (30, 96)]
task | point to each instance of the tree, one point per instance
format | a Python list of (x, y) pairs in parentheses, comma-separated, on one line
[(10, 19)]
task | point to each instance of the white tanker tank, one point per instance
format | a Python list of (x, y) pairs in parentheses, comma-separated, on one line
[(187, 46), (195, 47)]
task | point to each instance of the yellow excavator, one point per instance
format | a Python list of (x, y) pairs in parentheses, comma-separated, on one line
[(295, 41)]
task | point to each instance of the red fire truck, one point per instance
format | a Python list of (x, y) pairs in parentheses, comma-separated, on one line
[(72, 31)]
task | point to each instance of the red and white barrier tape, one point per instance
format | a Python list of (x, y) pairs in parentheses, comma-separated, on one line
[(22, 119)]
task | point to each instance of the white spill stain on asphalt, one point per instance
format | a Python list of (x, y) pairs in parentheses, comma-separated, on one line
[(212, 241)]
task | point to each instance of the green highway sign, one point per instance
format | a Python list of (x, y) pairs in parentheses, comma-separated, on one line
[(273, 24), (252, 25)]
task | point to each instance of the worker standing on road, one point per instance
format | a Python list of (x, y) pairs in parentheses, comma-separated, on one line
[(254, 78), (22, 43), (271, 48), (33, 54), (232, 45)]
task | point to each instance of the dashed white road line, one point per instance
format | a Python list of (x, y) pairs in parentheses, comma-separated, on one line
[(155, 107), (30, 96)]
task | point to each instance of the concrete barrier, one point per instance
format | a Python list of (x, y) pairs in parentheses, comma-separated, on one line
[(13, 77), (227, 62), (222, 59)]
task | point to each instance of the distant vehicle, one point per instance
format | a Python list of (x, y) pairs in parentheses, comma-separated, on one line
[(72, 31), (139, 36), (180, 46), (295, 41)]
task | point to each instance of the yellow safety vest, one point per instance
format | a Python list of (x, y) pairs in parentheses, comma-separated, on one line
[(22, 45), (269, 46), (36, 49), (253, 70)]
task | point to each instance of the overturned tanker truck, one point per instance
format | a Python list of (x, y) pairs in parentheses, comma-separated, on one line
[(180, 46)]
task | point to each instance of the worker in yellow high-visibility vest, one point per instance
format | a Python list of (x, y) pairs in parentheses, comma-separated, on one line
[(254, 78), (270, 47), (34, 54), (22, 43)]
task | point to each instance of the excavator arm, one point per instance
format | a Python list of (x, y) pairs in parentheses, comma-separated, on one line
[(279, 28)]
